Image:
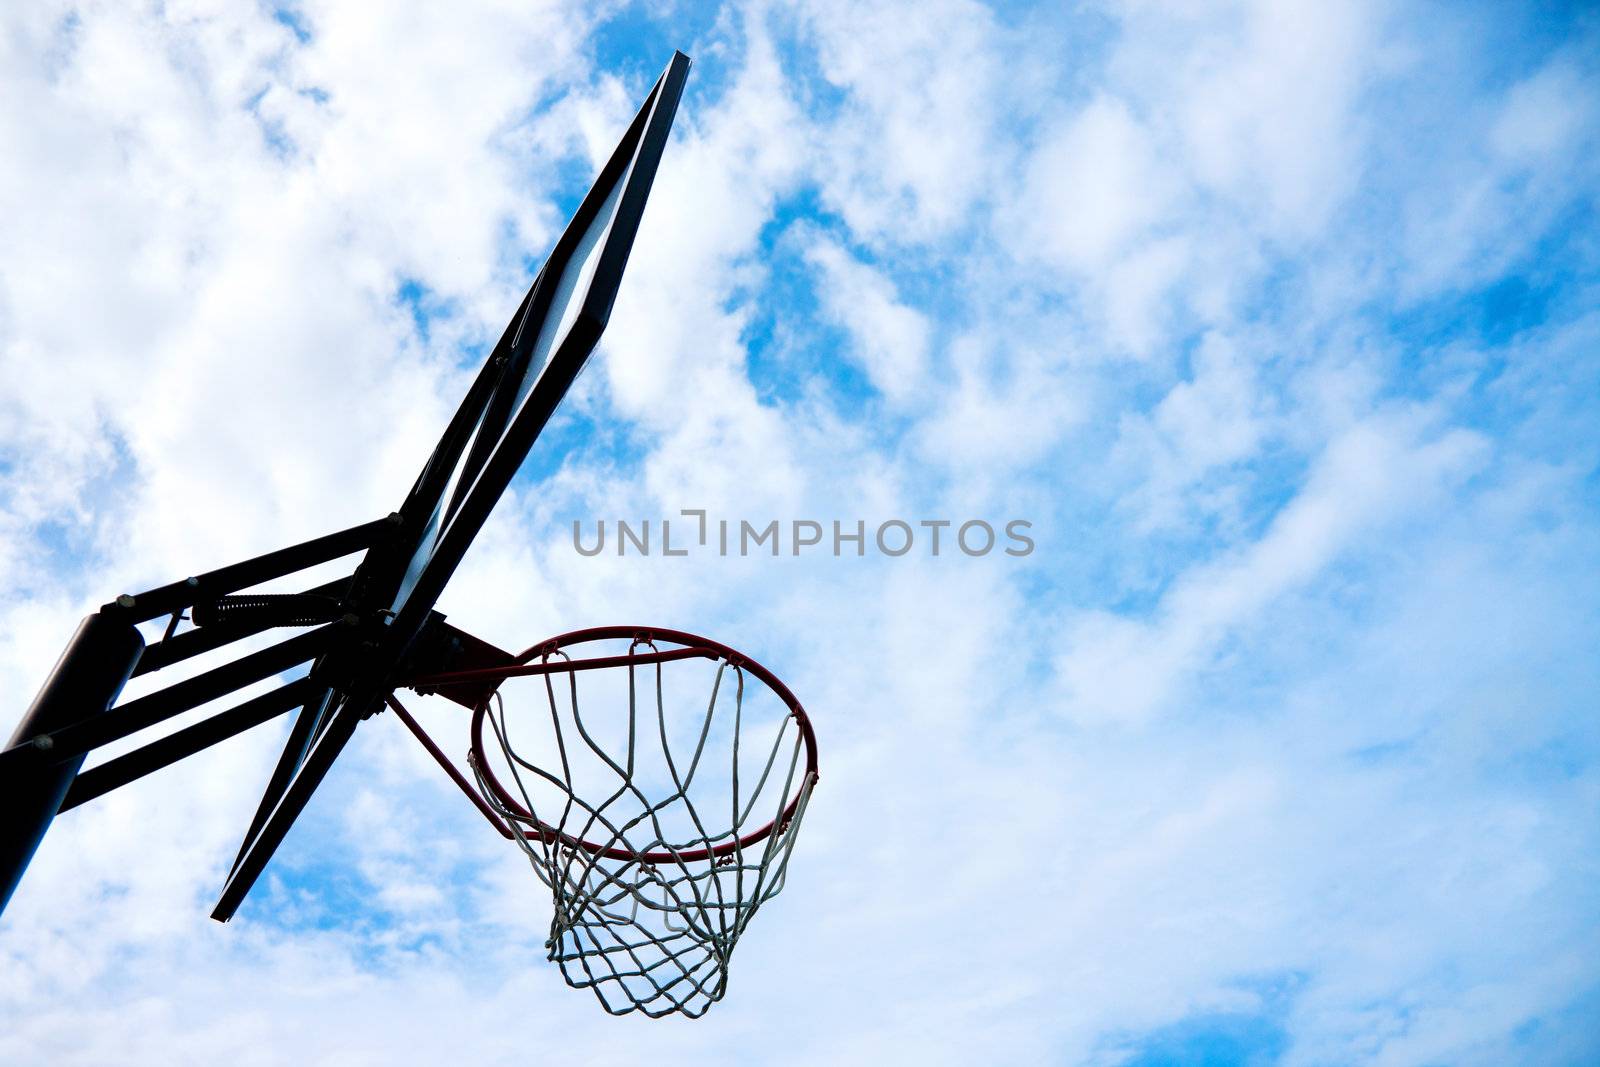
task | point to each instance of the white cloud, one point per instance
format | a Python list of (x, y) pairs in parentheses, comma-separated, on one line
[(1489, 194), (912, 148), (1215, 419), (888, 339), (1543, 113), (1093, 186), (1117, 669), (1268, 102)]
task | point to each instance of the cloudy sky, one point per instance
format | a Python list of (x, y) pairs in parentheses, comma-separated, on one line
[(1276, 321)]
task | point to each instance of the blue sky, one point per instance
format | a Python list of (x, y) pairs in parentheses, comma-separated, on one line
[(1275, 321)]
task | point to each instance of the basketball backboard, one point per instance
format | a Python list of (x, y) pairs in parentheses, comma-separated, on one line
[(522, 382)]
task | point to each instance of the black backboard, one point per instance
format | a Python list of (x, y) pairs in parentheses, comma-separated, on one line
[(522, 382)]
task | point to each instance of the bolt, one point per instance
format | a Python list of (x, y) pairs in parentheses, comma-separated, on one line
[(44, 742), (191, 582), (124, 601)]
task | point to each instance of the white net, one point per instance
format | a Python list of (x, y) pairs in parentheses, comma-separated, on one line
[(660, 823)]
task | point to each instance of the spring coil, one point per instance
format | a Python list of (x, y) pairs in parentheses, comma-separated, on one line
[(269, 609)]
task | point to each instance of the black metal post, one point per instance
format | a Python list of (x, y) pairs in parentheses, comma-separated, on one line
[(312, 715), (259, 849), (97, 781), (73, 741), (230, 579), (85, 682)]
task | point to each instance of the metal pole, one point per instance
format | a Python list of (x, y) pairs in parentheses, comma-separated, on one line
[(84, 683), (99, 780), (167, 599), (69, 742)]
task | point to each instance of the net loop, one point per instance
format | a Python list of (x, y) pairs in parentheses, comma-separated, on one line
[(659, 836)]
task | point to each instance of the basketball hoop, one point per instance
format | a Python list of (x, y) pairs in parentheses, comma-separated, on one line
[(657, 835)]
